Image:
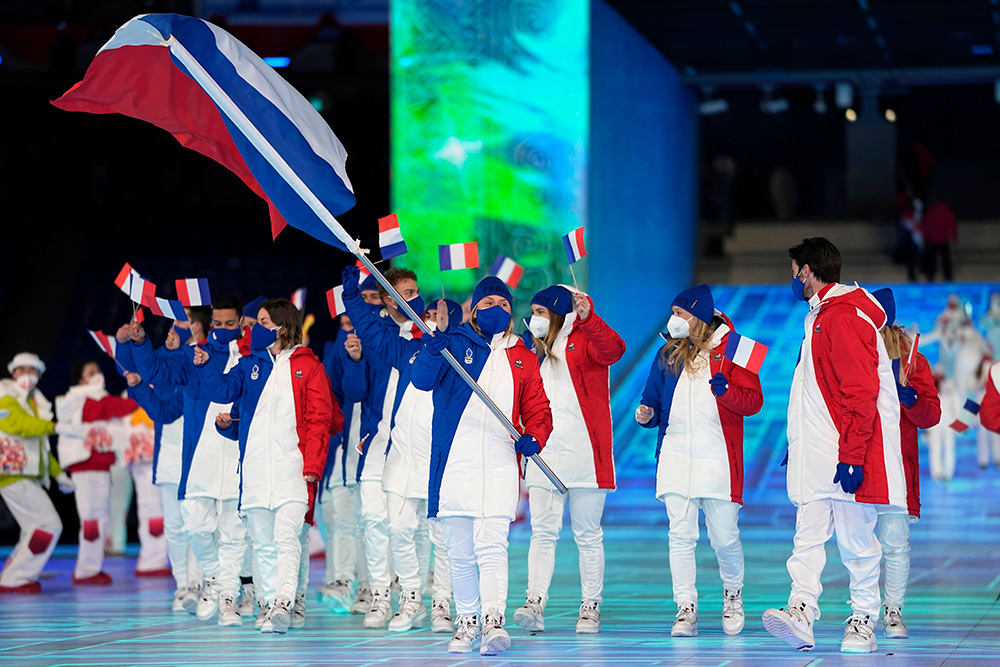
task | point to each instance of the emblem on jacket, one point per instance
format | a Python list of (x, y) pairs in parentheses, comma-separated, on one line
[(816, 330), (519, 364), (572, 346), (255, 372), (717, 357), (298, 373), (468, 356), (414, 357)]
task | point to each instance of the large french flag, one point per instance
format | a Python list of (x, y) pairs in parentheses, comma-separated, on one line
[(459, 256), (193, 291), (390, 238), (967, 417), (507, 270), (198, 82), (575, 250), (745, 352)]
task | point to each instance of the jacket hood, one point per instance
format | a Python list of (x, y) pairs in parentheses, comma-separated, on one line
[(852, 296)]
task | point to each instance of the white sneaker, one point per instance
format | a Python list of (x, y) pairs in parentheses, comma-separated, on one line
[(394, 587), (178, 604), (859, 635), (441, 616), (465, 635), (262, 612), (732, 612), (411, 612), (686, 622), (530, 616), (338, 593), (363, 600), (280, 617), (380, 611), (892, 623), (248, 601), (494, 639), (208, 603), (589, 622), (792, 624), (228, 614), (191, 597), (298, 612)]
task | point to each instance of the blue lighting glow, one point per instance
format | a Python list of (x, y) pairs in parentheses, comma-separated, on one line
[(982, 50), (277, 62)]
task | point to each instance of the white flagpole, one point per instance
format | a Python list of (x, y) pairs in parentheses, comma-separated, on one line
[(462, 373)]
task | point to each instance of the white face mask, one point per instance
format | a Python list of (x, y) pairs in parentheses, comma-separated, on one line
[(538, 326), (432, 325), (678, 327), (27, 382), (96, 380)]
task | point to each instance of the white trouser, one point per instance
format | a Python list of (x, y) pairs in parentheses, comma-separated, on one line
[(375, 524), (121, 500), (442, 564), (345, 548), (721, 520), (316, 545), (40, 530), (234, 547), (941, 443), (302, 584), (93, 504), (586, 506), (201, 518), (478, 552), (404, 521), (987, 443), (187, 574), (854, 523), (277, 543), (149, 509), (219, 539), (894, 536), (422, 542)]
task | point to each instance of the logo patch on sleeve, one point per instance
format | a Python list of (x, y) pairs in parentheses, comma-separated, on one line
[(255, 372), (298, 373), (468, 357)]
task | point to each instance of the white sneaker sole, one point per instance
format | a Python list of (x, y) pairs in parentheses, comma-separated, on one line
[(858, 648), (375, 623), (230, 622), (495, 645), (442, 625), (459, 648), (190, 605), (417, 619), (206, 615), (896, 633), (298, 622), (529, 621), (735, 630), (780, 629), (280, 625), (693, 632), (588, 629)]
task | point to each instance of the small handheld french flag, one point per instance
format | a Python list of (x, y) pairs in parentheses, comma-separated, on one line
[(966, 417), (507, 270), (173, 310), (299, 298), (459, 256), (575, 250), (335, 301), (745, 352), (105, 342), (193, 292), (135, 286), (390, 238), (363, 270)]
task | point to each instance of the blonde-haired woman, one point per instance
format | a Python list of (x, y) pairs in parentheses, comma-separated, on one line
[(697, 401)]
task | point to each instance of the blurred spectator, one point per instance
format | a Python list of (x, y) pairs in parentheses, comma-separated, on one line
[(909, 239), (940, 230), (783, 191)]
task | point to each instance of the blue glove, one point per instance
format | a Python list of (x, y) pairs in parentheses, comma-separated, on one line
[(849, 476), (720, 385), (437, 343), (527, 445), (907, 395), (350, 278)]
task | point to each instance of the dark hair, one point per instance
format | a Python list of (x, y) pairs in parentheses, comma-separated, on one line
[(822, 257), (284, 313), (202, 315), (394, 276), (228, 302), (77, 372)]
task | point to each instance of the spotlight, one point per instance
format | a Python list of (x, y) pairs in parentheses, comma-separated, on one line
[(772, 105), (843, 95), (851, 115), (890, 115), (710, 106)]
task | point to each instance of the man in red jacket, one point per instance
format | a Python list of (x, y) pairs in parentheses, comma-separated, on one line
[(940, 229), (844, 453)]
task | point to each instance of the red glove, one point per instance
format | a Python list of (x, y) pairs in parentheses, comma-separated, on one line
[(312, 488)]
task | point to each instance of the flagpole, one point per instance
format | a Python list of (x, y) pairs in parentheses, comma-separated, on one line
[(573, 273), (462, 373)]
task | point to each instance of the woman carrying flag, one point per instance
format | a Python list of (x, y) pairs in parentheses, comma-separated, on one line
[(921, 408), (282, 395), (473, 486), (576, 348), (697, 401)]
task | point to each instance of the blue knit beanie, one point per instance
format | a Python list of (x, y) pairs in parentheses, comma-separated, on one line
[(697, 301), (369, 284), (454, 309), (556, 298), (886, 299), (491, 285), (251, 309)]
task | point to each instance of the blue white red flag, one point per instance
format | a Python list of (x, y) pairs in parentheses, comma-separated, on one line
[(459, 256), (217, 97), (745, 352), (967, 417), (390, 238), (193, 292), (507, 270), (575, 250), (335, 301), (105, 342), (299, 298), (173, 310), (135, 286)]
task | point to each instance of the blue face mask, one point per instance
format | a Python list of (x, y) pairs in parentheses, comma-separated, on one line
[(417, 304), (798, 288), (184, 334), (492, 320), (262, 338), (225, 336)]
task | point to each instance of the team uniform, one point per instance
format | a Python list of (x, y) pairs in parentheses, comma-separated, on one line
[(989, 409)]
